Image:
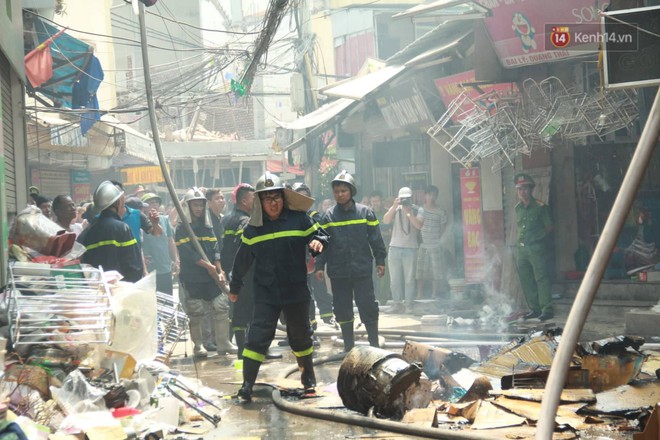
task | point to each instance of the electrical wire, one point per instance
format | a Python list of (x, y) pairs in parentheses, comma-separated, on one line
[(206, 49), (197, 27)]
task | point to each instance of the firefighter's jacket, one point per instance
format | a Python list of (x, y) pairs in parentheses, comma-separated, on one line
[(233, 224), (277, 250), (191, 273), (355, 241), (111, 245)]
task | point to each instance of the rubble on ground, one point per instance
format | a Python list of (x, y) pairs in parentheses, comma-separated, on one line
[(75, 367), (608, 387)]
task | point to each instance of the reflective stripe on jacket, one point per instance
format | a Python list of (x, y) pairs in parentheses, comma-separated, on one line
[(234, 223), (355, 240), (190, 271), (278, 250), (111, 245)]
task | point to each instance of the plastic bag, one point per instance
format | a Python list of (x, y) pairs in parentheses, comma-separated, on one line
[(136, 325), (33, 229), (77, 395)]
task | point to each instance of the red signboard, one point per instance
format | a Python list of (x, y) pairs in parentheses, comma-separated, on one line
[(473, 245), (450, 87), (80, 186), (521, 29)]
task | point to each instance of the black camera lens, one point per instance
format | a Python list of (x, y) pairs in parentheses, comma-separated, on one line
[(406, 202)]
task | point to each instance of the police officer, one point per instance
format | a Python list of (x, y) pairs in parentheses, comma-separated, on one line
[(233, 225), (534, 227), (276, 241), (355, 242), (202, 279), (109, 241), (320, 294)]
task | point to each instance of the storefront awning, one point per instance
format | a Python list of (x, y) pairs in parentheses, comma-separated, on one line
[(131, 144), (441, 39), (70, 59), (319, 116), (315, 122), (359, 87), (454, 9)]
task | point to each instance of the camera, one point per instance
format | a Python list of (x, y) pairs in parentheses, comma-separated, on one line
[(406, 202)]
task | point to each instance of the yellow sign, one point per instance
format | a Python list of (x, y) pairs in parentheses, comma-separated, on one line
[(142, 175)]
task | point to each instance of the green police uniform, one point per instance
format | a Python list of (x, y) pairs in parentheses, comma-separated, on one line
[(534, 224)]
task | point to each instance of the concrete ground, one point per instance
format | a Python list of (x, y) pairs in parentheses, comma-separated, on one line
[(262, 420)]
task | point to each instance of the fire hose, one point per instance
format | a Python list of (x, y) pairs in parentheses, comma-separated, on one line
[(159, 149), (362, 421)]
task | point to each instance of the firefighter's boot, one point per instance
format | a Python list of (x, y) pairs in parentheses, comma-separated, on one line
[(250, 371), (195, 325), (347, 334), (307, 376), (222, 336), (239, 335), (372, 333)]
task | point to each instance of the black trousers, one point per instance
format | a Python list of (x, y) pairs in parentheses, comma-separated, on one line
[(320, 297), (344, 290), (264, 323), (243, 309), (164, 283)]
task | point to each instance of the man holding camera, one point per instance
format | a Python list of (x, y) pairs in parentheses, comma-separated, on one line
[(403, 250)]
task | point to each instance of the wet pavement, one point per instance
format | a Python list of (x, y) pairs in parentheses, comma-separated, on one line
[(262, 419)]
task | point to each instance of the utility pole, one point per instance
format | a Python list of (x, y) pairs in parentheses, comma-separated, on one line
[(313, 147)]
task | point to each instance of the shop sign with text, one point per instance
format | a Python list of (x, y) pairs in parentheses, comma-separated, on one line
[(142, 175), (80, 186), (526, 32), (473, 245)]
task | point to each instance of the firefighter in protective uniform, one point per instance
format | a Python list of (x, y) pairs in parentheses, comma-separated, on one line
[(233, 225), (202, 279), (356, 241), (276, 242), (109, 241), (320, 295)]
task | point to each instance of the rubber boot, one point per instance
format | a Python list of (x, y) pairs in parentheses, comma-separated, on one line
[(239, 335), (347, 334), (250, 371), (307, 376), (372, 333), (195, 326), (222, 337)]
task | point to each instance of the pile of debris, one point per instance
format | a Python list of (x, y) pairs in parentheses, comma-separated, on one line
[(87, 351), (611, 386)]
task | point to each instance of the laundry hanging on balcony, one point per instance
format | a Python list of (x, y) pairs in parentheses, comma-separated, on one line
[(39, 62), (76, 72), (84, 94)]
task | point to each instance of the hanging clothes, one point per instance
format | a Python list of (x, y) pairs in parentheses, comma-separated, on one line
[(84, 94)]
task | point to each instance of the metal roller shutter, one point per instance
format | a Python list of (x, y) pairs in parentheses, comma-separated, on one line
[(8, 133)]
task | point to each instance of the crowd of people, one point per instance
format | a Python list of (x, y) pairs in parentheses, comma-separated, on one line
[(273, 256)]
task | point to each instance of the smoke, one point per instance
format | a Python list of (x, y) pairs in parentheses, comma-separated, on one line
[(496, 309), (497, 306)]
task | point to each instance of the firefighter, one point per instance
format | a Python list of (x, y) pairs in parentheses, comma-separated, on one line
[(356, 242), (109, 241), (233, 225), (320, 294), (276, 241), (202, 279)]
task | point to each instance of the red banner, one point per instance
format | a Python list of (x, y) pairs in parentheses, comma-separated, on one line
[(473, 245)]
